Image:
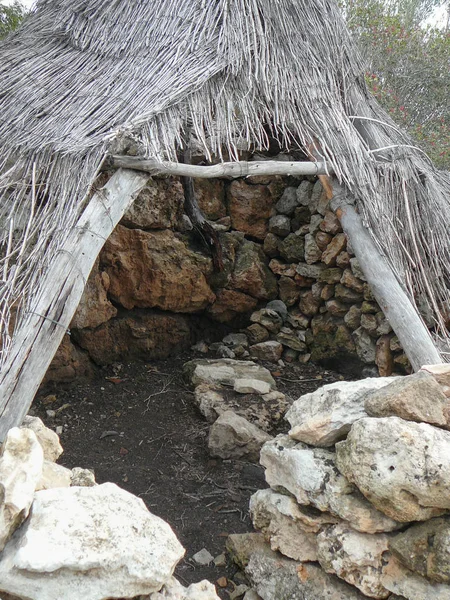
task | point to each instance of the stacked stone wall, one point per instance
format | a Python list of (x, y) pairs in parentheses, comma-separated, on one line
[(153, 290)]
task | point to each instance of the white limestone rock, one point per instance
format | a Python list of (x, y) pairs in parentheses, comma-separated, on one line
[(399, 580), (288, 527), (46, 437), (54, 476), (277, 578), (82, 477), (210, 402), (225, 371), (325, 416), (311, 475), (232, 436), (173, 590), (88, 542), (356, 557), (21, 464), (251, 386), (403, 468)]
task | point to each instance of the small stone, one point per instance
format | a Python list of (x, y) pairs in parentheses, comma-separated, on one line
[(239, 591), (327, 292), (347, 294), (369, 307), (309, 305), (292, 339), (220, 560), (209, 401), (288, 202), (343, 260), (280, 225), (383, 357), (319, 198), (417, 397), (334, 248), (51, 414), (59, 430), (297, 319), (304, 192), (279, 307), (365, 346), (251, 595), (82, 477), (235, 339), (292, 248), (336, 308), (356, 268), (224, 352), (270, 351), (353, 318), (288, 291), (268, 318), (349, 280), (257, 333), (46, 437), (201, 347), (203, 557), (330, 223), (312, 251), (370, 324), (402, 467), (280, 268), (314, 224), (323, 239), (225, 371), (402, 361), (301, 217), (309, 271), (251, 386), (232, 436), (270, 246), (330, 275), (396, 578), (383, 324)]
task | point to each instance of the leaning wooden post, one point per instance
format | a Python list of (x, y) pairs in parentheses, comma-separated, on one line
[(403, 317), (59, 293)]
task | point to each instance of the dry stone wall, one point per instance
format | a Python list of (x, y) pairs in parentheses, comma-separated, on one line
[(153, 290)]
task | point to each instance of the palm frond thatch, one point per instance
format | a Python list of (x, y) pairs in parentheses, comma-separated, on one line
[(81, 75)]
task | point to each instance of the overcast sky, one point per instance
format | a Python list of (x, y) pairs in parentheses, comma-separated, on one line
[(438, 17)]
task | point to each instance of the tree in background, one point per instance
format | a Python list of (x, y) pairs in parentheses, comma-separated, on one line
[(10, 17), (408, 66)]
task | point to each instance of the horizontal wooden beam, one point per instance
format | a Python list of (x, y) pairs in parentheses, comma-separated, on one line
[(228, 170)]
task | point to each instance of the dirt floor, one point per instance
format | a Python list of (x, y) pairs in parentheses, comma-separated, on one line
[(137, 425)]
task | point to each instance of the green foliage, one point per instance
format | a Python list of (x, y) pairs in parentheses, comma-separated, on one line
[(10, 17), (408, 67)]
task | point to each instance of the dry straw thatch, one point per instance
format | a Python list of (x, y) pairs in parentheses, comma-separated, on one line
[(80, 74)]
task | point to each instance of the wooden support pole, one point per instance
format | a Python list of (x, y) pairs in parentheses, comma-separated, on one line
[(403, 317), (58, 296), (230, 170)]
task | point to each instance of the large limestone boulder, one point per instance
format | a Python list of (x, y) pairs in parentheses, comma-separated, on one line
[(418, 397), (277, 578), (95, 543), (356, 557), (325, 416), (425, 549), (402, 467), (155, 269), (225, 371), (406, 584), (288, 527), (311, 475), (21, 464)]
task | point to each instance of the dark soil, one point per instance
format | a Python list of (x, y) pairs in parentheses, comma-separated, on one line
[(137, 425)]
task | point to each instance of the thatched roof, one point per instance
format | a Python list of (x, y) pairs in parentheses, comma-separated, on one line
[(82, 74)]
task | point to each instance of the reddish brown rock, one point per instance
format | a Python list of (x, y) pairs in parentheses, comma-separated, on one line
[(308, 304), (229, 304), (330, 223), (271, 242), (327, 292), (69, 363), (94, 308), (142, 334), (352, 282), (250, 208), (251, 275), (343, 260), (303, 282), (383, 357), (158, 206), (155, 269), (288, 291), (323, 239), (270, 351), (280, 268), (210, 194), (334, 248)]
